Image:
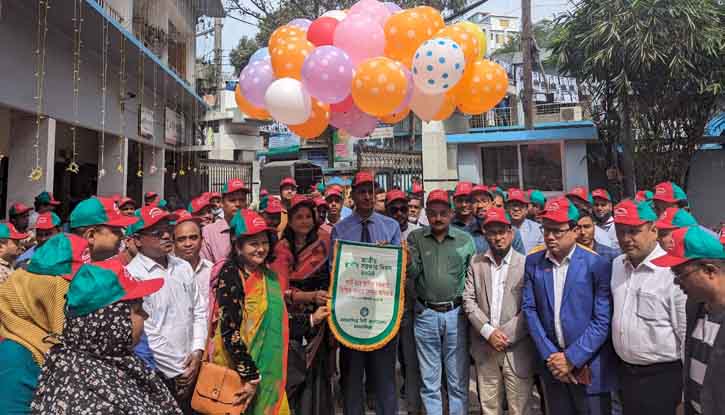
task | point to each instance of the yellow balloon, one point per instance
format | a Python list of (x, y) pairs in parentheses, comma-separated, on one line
[(476, 31)]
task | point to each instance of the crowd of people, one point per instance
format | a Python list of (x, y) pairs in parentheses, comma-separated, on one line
[(580, 304)]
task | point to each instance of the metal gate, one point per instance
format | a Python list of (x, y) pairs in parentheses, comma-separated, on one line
[(393, 168), (220, 172)]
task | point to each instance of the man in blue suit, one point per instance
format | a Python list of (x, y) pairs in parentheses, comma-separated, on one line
[(567, 304)]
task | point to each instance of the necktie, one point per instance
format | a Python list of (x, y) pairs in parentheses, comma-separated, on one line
[(365, 233)]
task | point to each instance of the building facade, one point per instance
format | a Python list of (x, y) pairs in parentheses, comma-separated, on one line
[(499, 30)]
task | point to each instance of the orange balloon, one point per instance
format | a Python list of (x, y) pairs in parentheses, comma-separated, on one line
[(247, 108), (436, 20), (465, 39), (404, 33), (484, 84), (447, 108), (284, 34), (379, 86), (289, 56), (395, 117), (316, 124)]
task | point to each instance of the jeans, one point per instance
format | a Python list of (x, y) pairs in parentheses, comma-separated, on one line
[(442, 337)]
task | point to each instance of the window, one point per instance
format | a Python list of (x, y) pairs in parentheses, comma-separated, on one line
[(542, 166), (500, 166)]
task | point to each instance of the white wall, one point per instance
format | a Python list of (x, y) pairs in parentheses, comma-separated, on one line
[(22, 158), (575, 164)]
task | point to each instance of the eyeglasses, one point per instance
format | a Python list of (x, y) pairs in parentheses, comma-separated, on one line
[(684, 276), (558, 233), (157, 232), (400, 209)]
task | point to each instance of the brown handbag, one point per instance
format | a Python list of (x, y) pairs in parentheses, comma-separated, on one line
[(215, 389), (216, 384)]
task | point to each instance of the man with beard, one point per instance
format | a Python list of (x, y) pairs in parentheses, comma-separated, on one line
[(648, 322), (464, 208), (483, 200), (492, 301), (177, 323), (517, 206), (334, 205), (582, 200), (602, 209), (585, 237)]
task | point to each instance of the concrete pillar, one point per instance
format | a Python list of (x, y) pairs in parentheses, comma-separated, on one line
[(5, 121), (114, 182), (440, 160), (153, 182), (22, 159), (256, 180)]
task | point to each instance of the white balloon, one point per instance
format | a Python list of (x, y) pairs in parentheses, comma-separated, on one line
[(335, 14), (438, 65), (425, 106), (288, 102)]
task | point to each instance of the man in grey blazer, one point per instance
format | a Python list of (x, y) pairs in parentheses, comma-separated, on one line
[(500, 344)]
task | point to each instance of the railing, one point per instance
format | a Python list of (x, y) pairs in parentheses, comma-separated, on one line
[(113, 13), (507, 116), (221, 171)]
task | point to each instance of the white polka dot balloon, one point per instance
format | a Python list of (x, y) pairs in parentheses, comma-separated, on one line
[(438, 65)]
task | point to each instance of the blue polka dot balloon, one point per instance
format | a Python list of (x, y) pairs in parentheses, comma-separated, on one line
[(438, 66)]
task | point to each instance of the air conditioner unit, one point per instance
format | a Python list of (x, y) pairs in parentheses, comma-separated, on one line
[(570, 113)]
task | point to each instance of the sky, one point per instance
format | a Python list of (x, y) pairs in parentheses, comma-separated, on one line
[(234, 30)]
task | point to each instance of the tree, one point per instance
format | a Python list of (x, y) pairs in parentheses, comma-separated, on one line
[(239, 56), (544, 33), (655, 69), (267, 15)]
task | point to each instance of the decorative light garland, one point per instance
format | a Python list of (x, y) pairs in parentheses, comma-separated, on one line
[(139, 169), (77, 44), (104, 92), (42, 34), (122, 95)]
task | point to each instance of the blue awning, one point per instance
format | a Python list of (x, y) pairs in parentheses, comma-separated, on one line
[(567, 131), (716, 126)]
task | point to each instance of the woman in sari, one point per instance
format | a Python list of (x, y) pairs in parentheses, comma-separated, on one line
[(250, 318), (93, 369), (301, 257)]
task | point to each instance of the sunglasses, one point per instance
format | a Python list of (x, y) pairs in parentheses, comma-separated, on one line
[(398, 209)]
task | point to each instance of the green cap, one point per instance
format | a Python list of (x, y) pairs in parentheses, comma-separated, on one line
[(247, 223), (691, 243), (631, 213), (537, 197), (61, 256), (103, 283), (98, 211), (673, 218)]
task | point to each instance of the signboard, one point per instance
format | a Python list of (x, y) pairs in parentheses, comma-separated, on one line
[(172, 126), (367, 294), (343, 146), (383, 132), (146, 123), (283, 143)]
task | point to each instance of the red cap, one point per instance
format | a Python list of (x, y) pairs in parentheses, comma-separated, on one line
[(332, 192), (417, 188), (722, 235), (559, 210), (263, 192), (116, 197), (363, 177), (133, 287), (517, 195), (601, 194), (438, 195), (213, 195), (579, 192), (234, 185), (18, 209), (125, 201), (199, 203), (46, 221), (150, 195), (151, 215), (463, 189), (13, 233), (629, 212), (183, 215), (319, 201), (287, 181), (480, 188), (115, 217), (301, 200), (394, 195), (496, 215), (273, 206)]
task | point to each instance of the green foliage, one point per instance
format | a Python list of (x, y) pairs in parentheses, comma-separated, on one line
[(239, 56), (664, 58), (544, 34)]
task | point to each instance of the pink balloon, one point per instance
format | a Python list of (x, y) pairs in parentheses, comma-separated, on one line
[(361, 37), (409, 94), (425, 106), (344, 106), (255, 79), (355, 122), (327, 74), (392, 7), (375, 9)]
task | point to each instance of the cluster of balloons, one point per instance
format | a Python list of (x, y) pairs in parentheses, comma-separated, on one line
[(373, 62)]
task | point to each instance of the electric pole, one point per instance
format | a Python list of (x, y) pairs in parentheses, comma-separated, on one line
[(218, 25), (527, 47)]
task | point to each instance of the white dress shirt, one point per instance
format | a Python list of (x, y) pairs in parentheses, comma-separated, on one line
[(177, 325), (611, 231), (202, 273), (531, 234), (411, 227), (559, 273), (498, 283), (648, 325)]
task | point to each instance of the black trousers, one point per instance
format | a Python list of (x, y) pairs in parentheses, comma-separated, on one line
[(183, 401), (654, 389), (377, 366)]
